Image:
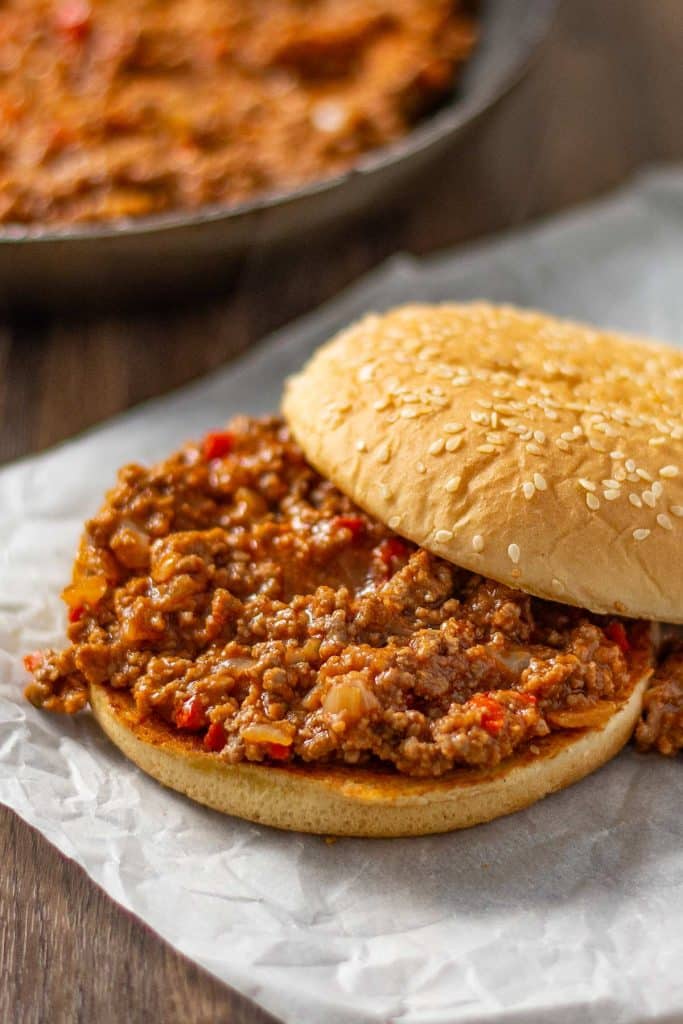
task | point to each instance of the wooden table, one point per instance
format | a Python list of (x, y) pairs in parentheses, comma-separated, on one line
[(603, 98)]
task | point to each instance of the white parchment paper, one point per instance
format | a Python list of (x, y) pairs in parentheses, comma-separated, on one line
[(570, 911)]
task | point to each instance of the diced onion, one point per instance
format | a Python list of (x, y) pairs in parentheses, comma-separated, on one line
[(583, 718), (269, 732), (351, 698), (88, 590)]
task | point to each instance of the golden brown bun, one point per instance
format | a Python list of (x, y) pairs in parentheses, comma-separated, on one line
[(538, 452), (358, 802)]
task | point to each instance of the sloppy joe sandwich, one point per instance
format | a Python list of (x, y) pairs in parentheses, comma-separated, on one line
[(428, 595)]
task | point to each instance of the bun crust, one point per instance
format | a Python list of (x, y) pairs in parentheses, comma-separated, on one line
[(357, 802), (541, 453)]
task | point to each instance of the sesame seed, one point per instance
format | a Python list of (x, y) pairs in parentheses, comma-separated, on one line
[(478, 542), (677, 510), (635, 500), (587, 485), (394, 522), (361, 445), (616, 455), (380, 404), (664, 521), (620, 474), (421, 468), (595, 446), (669, 471), (442, 536), (382, 453), (494, 419), (486, 449), (610, 483), (592, 501), (539, 482), (533, 449), (453, 443), (655, 441), (479, 417), (514, 553), (366, 372), (453, 484), (539, 436), (528, 490), (436, 447), (409, 413), (611, 494), (630, 466), (649, 499), (557, 585), (453, 428), (657, 489), (562, 445), (644, 475), (640, 534)]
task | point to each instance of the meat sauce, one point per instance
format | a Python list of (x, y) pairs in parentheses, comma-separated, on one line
[(661, 725), (238, 595), (125, 108)]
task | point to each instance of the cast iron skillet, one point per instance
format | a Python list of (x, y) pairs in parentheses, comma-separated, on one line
[(131, 260)]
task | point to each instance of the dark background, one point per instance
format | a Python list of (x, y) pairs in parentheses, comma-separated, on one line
[(603, 98)]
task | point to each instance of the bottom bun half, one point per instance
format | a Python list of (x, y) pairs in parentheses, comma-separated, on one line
[(345, 801)]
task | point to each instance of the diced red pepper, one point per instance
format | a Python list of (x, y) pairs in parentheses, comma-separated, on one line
[(191, 715), (278, 751), (217, 444), (73, 19), (215, 737), (391, 551), (33, 661), (616, 632), (355, 524), (76, 614), (493, 715)]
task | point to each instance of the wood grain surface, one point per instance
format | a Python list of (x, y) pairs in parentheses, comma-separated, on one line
[(603, 98)]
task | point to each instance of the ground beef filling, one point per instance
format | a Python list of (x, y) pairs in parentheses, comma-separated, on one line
[(125, 108), (661, 727), (238, 595)]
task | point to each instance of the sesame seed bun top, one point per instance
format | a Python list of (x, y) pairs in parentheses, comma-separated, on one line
[(539, 452)]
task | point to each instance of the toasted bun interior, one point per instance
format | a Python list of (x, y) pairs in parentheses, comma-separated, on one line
[(535, 451), (358, 802)]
